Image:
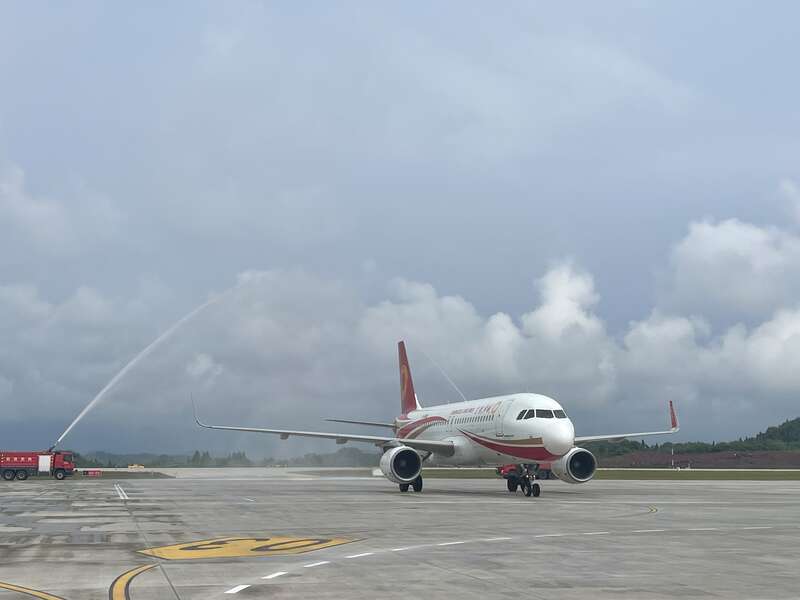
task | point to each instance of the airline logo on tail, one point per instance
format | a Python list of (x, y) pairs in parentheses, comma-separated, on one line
[(408, 398)]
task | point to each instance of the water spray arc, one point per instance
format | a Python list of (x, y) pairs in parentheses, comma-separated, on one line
[(134, 361)]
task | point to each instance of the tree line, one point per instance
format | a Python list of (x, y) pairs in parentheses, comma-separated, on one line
[(344, 457), (781, 438)]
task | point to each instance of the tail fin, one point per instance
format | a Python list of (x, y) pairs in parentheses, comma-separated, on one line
[(408, 398)]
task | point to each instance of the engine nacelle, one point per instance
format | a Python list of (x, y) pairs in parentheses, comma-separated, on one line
[(401, 464), (576, 466)]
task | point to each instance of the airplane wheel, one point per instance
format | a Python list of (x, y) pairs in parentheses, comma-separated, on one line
[(512, 484), (527, 489), (537, 490), (417, 484), (22, 475), (8, 475), (403, 487)]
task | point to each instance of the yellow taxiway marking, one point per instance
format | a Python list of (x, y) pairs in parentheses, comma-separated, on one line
[(119, 590), (29, 592), (230, 547)]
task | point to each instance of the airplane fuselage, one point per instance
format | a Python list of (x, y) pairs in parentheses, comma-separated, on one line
[(527, 428)]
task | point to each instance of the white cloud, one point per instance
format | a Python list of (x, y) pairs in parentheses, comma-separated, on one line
[(22, 301), (204, 369), (557, 346), (567, 296), (733, 270), (45, 222), (286, 347), (50, 226), (769, 355)]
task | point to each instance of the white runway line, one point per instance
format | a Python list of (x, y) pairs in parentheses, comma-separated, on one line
[(237, 589), (120, 492), (274, 575)]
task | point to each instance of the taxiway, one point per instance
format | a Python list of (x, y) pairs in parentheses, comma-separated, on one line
[(256, 533)]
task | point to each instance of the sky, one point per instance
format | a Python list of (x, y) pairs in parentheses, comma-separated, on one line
[(598, 203)]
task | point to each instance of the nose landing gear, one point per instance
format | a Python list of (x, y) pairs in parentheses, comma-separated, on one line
[(530, 487)]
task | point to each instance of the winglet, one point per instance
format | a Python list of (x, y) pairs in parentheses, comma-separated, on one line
[(194, 409), (673, 418)]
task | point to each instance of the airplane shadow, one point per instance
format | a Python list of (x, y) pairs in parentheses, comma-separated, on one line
[(500, 493)]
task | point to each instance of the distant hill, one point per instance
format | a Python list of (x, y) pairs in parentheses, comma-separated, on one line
[(782, 438), (787, 432)]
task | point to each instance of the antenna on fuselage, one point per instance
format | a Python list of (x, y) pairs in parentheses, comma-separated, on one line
[(446, 376)]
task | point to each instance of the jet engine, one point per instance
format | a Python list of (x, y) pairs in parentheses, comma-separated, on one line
[(576, 466), (401, 464)]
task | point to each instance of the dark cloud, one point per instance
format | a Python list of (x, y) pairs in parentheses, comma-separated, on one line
[(149, 156)]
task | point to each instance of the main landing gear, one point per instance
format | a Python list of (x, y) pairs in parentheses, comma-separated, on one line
[(525, 479), (416, 485)]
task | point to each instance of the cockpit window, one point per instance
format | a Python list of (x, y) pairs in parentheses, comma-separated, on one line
[(544, 413), (530, 414), (560, 414), (520, 415)]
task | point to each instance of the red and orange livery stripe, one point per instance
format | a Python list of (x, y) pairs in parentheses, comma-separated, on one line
[(530, 449), (415, 428)]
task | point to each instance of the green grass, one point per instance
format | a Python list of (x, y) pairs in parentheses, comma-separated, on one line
[(626, 474), (696, 475)]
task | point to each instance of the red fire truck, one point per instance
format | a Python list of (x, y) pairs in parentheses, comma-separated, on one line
[(21, 465)]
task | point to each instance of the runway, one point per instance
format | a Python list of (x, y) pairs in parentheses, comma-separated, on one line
[(271, 534)]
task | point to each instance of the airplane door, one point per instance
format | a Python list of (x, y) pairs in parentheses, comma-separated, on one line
[(500, 417)]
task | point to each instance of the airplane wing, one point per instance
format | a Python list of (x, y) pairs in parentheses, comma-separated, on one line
[(621, 436), (442, 448), (370, 423)]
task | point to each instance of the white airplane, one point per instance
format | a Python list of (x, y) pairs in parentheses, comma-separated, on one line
[(524, 429)]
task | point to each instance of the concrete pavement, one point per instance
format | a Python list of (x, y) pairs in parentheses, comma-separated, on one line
[(281, 533)]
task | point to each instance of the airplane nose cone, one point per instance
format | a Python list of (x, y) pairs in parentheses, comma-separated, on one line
[(560, 437)]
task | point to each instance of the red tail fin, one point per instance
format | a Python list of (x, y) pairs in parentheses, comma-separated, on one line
[(408, 398)]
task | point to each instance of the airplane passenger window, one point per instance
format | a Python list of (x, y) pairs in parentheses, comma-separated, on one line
[(531, 413), (544, 413), (560, 414), (521, 414)]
